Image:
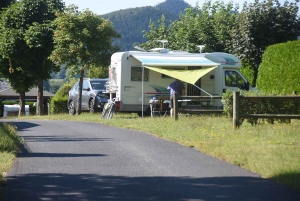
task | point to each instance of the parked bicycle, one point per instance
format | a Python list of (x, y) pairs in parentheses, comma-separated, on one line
[(109, 109)]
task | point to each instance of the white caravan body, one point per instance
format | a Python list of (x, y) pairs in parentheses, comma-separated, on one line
[(131, 88)]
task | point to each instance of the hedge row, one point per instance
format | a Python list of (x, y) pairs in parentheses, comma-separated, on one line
[(58, 105), (260, 107), (279, 71)]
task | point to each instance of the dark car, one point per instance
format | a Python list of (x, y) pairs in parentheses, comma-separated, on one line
[(93, 98)]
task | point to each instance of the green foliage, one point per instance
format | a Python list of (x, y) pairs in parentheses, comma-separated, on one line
[(58, 105), (155, 33), (61, 74), (55, 85), (259, 25), (248, 72), (82, 40), (279, 71), (9, 102), (26, 38), (26, 42), (9, 139), (64, 89), (130, 23), (97, 72), (208, 26), (257, 106), (227, 100)]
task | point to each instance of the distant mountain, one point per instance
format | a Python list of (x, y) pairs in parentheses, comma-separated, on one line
[(131, 22), (173, 6)]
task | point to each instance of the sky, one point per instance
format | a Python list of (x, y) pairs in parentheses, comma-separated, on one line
[(106, 6)]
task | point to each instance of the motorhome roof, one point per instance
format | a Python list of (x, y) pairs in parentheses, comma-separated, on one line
[(170, 59), (181, 58)]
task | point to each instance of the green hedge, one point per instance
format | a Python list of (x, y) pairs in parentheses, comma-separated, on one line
[(248, 72), (63, 91), (58, 105), (260, 107), (279, 71)]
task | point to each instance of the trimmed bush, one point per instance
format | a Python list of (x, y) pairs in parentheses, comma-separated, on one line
[(64, 90), (279, 71), (58, 105)]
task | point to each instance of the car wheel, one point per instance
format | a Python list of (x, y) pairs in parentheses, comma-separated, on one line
[(71, 108), (92, 105)]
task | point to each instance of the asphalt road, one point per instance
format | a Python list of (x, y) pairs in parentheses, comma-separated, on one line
[(63, 160)]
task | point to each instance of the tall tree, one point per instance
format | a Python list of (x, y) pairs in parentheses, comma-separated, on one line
[(39, 37), (259, 25), (97, 72), (156, 33), (15, 53), (26, 40), (18, 78), (82, 39), (207, 26)]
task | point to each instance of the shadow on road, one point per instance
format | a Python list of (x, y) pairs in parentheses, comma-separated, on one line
[(22, 126), (70, 187), (60, 138), (288, 178)]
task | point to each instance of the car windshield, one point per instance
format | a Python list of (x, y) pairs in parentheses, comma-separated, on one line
[(98, 85)]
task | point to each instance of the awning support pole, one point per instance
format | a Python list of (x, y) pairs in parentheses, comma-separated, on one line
[(211, 97)]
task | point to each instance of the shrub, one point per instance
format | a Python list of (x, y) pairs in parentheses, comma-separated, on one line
[(279, 71), (248, 72), (58, 103), (63, 90), (257, 106)]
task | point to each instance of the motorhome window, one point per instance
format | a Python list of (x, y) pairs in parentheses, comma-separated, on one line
[(136, 74), (166, 76), (234, 79)]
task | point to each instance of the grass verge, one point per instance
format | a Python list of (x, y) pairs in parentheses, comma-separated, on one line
[(271, 150), (9, 144)]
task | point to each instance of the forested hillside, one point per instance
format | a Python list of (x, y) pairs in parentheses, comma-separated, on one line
[(131, 22)]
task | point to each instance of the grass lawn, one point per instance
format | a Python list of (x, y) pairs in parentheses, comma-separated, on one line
[(271, 150), (9, 143)]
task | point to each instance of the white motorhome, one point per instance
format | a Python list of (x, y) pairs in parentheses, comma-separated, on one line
[(135, 77)]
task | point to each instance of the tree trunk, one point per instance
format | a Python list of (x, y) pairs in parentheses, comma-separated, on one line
[(78, 109), (22, 104), (40, 96)]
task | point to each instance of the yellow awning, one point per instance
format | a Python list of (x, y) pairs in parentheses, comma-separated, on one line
[(188, 76)]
